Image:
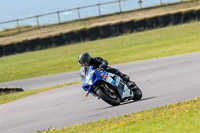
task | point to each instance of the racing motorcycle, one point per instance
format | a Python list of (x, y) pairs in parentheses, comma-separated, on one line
[(108, 86)]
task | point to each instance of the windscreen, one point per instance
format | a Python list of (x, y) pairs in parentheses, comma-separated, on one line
[(84, 71)]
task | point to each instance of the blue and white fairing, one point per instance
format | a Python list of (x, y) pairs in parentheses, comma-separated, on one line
[(122, 88), (91, 76)]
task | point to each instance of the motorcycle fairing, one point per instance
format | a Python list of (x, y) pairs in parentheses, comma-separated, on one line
[(91, 76), (122, 88)]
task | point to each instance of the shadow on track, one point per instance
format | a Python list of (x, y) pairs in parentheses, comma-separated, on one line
[(136, 101), (128, 102)]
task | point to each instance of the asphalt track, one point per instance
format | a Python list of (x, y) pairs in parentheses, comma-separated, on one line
[(163, 81)]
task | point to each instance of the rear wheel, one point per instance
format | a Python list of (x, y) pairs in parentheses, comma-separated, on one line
[(108, 97), (137, 93)]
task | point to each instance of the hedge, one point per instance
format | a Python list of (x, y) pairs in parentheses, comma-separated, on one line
[(6, 90), (164, 20)]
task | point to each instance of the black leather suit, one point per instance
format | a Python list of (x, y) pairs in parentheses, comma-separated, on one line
[(98, 62)]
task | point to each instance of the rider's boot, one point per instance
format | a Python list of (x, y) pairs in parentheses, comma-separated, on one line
[(126, 78)]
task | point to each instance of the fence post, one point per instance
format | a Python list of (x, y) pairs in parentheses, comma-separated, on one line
[(37, 22), (79, 16), (58, 13), (99, 9), (140, 3), (120, 9), (18, 25)]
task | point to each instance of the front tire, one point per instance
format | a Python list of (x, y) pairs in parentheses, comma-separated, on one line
[(137, 93), (110, 100)]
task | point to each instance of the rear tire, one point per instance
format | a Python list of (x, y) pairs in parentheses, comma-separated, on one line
[(107, 98), (137, 93)]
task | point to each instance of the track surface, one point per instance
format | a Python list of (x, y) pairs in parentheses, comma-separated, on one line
[(163, 81), (44, 81)]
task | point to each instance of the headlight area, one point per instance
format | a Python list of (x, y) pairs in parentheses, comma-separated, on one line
[(89, 78), (90, 82)]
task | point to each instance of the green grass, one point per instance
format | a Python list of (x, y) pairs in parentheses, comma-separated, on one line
[(130, 47), (181, 117), (13, 96)]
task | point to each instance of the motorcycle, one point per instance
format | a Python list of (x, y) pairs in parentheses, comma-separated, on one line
[(108, 86)]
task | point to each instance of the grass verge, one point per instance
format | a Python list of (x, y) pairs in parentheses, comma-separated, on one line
[(13, 96), (180, 117), (161, 42)]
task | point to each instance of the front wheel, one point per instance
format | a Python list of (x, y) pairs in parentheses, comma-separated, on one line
[(137, 93), (108, 97)]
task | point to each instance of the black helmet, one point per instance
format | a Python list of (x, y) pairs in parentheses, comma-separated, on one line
[(84, 59)]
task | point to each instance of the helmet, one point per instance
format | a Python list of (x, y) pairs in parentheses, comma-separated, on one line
[(84, 59)]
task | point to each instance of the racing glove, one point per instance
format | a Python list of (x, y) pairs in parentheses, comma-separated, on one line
[(103, 66)]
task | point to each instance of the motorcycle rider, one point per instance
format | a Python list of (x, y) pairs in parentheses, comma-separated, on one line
[(85, 59)]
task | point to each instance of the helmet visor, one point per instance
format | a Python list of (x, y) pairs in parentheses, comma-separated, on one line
[(84, 63)]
